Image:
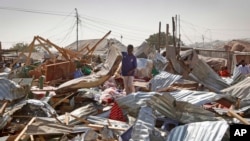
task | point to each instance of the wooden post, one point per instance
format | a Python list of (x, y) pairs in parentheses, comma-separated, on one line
[(173, 22), (167, 32), (159, 38)]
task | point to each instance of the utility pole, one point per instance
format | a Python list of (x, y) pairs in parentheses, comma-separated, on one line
[(77, 21)]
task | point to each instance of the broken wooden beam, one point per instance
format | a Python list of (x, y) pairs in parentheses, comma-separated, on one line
[(2, 109), (241, 119), (24, 129)]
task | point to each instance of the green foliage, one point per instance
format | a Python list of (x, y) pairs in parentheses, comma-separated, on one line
[(153, 40), (22, 47)]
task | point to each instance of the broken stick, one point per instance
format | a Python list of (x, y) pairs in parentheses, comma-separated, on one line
[(241, 119), (3, 107), (24, 129)]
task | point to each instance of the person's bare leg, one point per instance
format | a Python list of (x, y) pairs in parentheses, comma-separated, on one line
[(131, 88), (126, 87)]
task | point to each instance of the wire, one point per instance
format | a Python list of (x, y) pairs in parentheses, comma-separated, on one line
[(34, 11)]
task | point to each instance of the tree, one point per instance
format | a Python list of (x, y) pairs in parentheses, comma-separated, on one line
[(153, 40), (22, 47)]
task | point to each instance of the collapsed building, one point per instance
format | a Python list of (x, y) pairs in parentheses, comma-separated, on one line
[(185, 95)]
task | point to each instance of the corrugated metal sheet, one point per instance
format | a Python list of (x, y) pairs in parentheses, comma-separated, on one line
[(9, 90), (204, 74), (45, 107), (196, 97), (162, 80), (200, 131), (4, 120), (42, 127), (134, 101), (183, 112), (4, 74), (106, 121), (81, 112), (240, 90), (144, 125), (102, 46)]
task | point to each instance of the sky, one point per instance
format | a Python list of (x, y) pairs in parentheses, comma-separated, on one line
[(130, 21)]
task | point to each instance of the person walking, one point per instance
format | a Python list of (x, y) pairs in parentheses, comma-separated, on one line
[(129, 65)]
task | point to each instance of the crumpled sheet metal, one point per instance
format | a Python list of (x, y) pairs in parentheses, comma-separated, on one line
[(132, 102), (240, 90), (4, 120), (163, 80), (9, 90), (106, 121), (144, 125), (196, 97), (44, 127), (183, 112), (45, 107), (95, 79), (200, 131), (204, 74), (81, 112)]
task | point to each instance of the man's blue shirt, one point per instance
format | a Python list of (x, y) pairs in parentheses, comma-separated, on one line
[(128, 63)]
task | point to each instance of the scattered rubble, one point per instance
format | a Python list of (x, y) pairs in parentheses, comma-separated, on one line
[(175, 94)]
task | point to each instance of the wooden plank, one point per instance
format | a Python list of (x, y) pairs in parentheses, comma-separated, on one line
[(59, 102), (56, 99), (3, 107), (80, 119), (241, 119), (24, 129)]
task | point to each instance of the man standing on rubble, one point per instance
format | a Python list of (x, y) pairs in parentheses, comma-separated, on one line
[(128, 68)]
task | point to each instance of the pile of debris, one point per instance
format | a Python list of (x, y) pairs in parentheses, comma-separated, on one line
[(185, 94)]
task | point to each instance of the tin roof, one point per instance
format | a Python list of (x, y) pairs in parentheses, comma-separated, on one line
[(205, 131)]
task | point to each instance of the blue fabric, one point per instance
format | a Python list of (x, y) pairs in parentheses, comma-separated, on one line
[(78, 73), (128, 63)]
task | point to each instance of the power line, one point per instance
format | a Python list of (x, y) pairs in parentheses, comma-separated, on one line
[(33, 11)]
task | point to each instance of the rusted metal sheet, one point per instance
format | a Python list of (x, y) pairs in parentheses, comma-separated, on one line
[(95, 79)]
